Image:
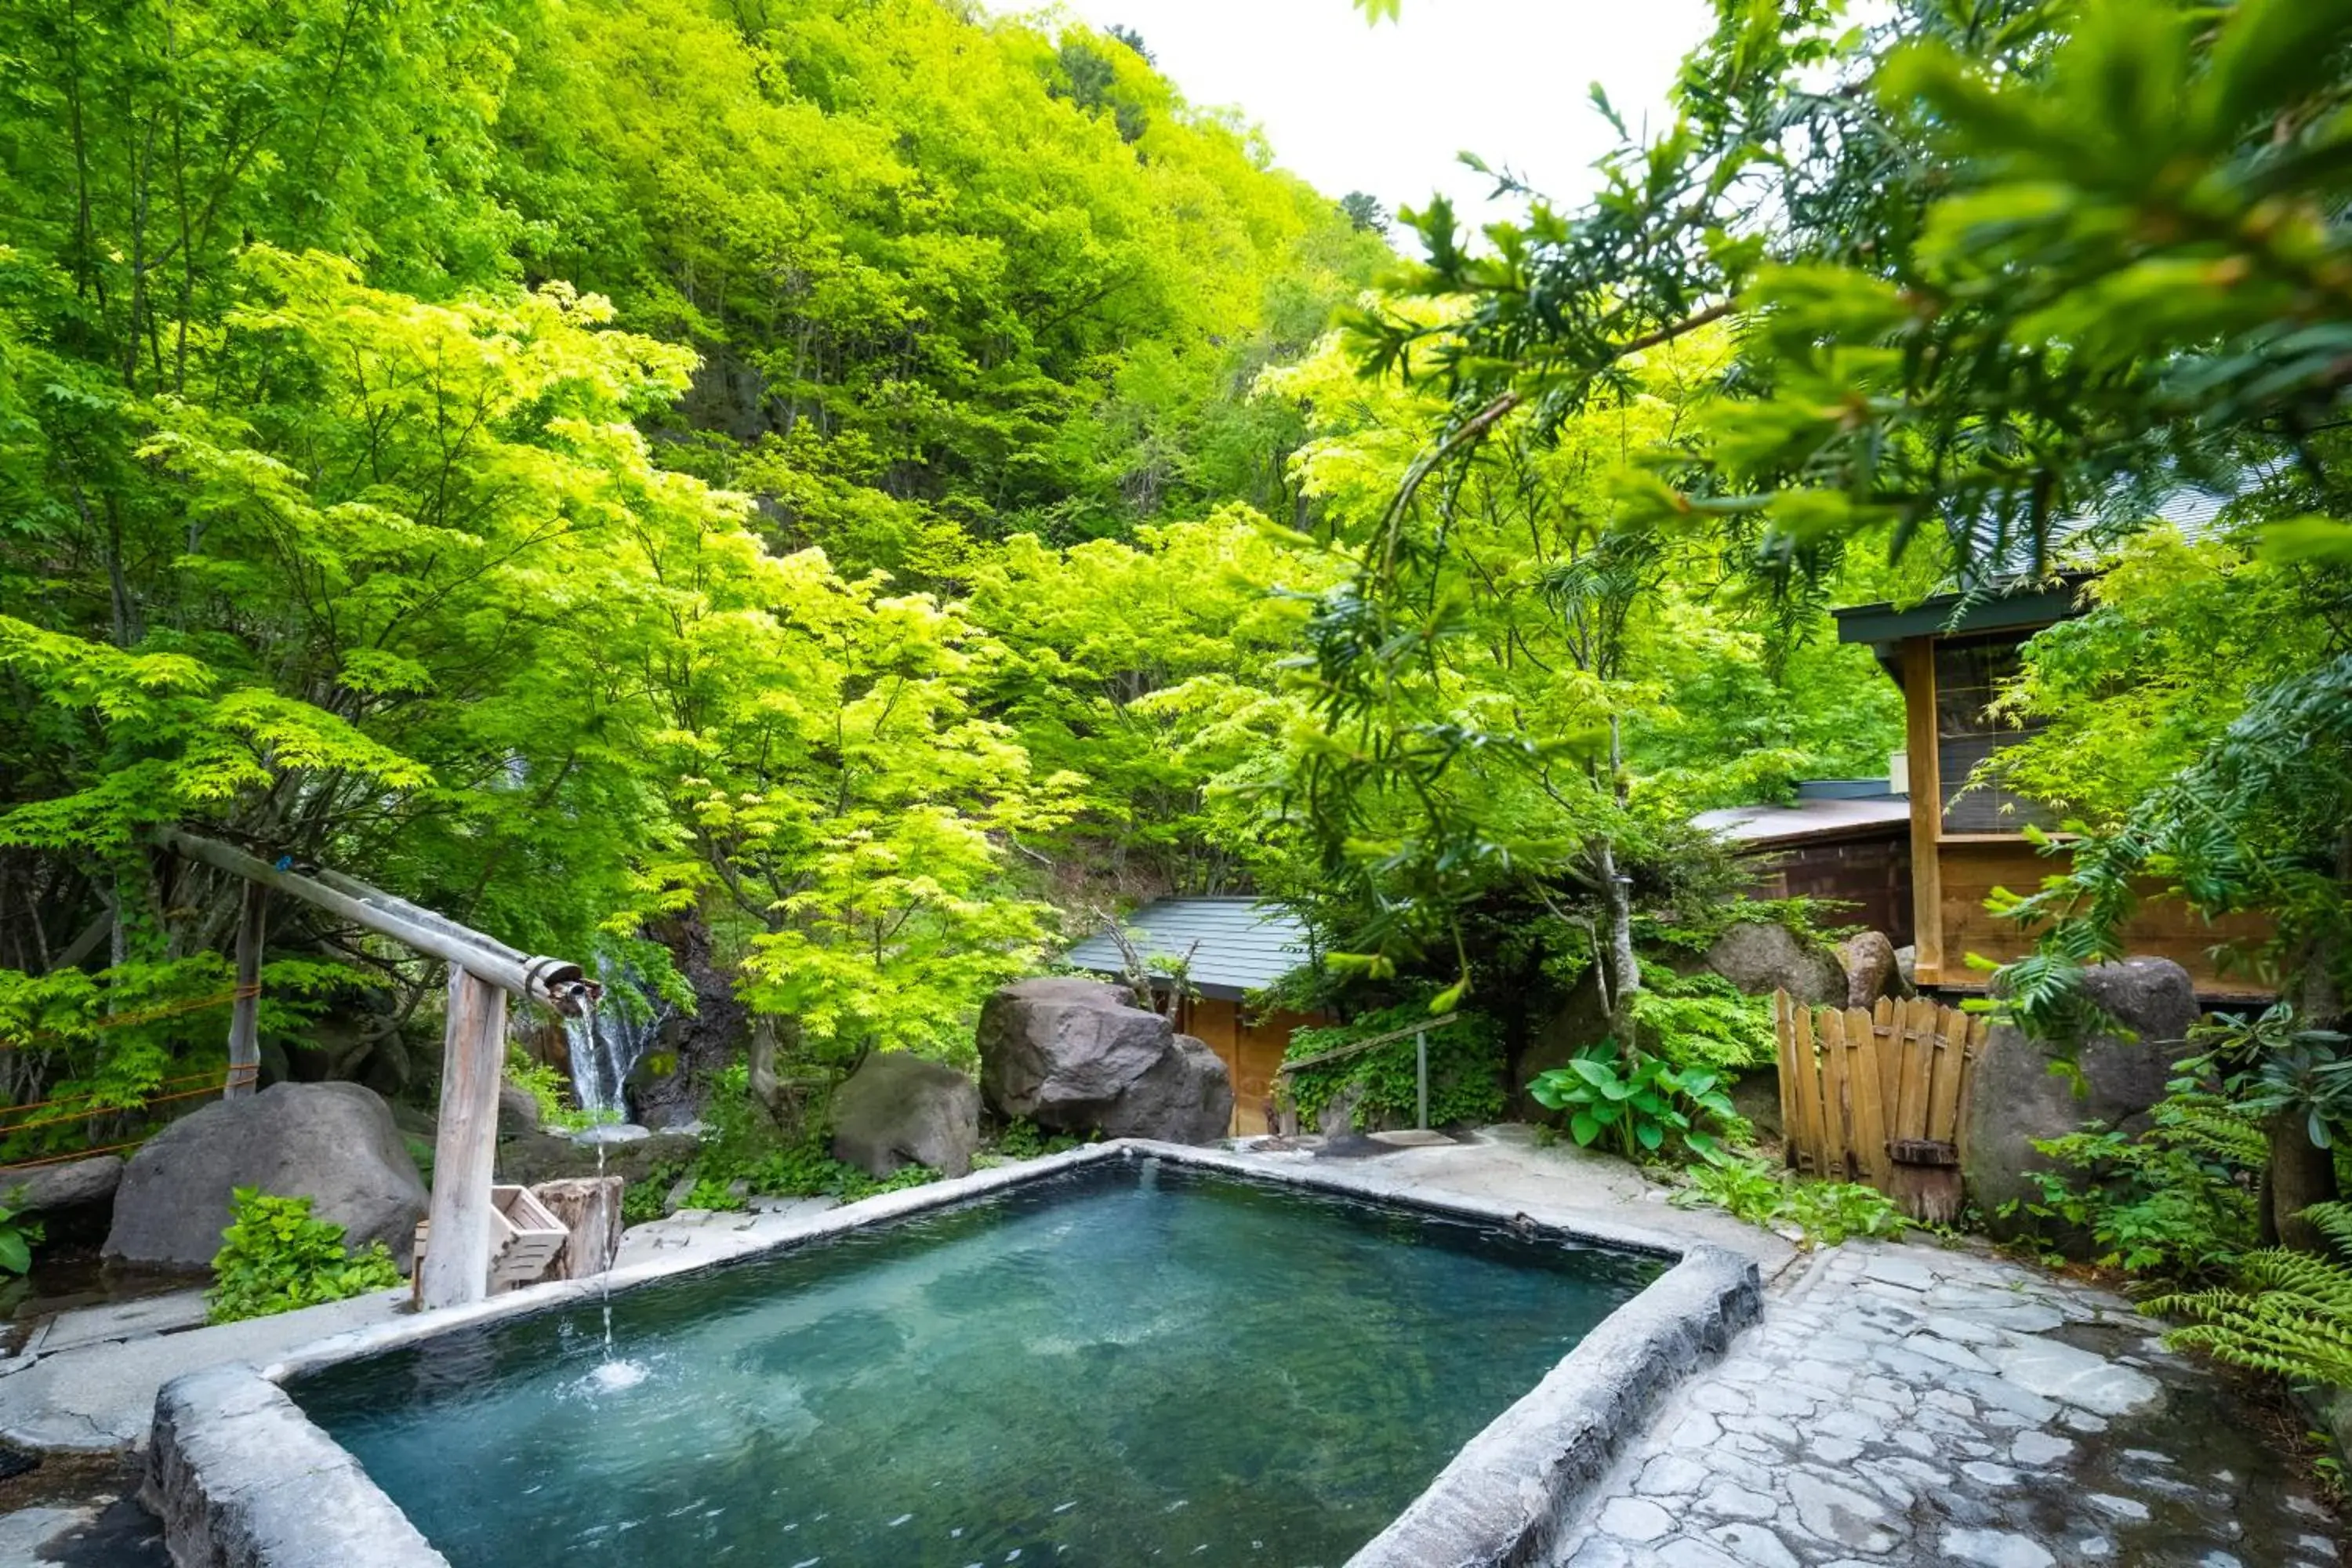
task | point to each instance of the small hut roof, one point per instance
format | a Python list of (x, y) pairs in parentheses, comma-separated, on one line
[(1238, 945)]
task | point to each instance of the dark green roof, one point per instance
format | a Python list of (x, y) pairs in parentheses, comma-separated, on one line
[(2038, 603)]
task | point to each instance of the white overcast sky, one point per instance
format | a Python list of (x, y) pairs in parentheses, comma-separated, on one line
[(1385, 107)]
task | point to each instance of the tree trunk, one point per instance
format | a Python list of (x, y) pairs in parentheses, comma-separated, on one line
[(2300, 1174), (1624, 968), (245, 1013), (767, 1092), (590, 1209)]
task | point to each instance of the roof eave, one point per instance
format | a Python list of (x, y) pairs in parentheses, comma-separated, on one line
[(1962, 614)]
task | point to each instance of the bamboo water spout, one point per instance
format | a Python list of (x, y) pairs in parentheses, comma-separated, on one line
[(562, 985), (482, 973)]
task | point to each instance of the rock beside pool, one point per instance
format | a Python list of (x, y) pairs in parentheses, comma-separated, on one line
[(534, 1157), (1076, 1057), (1185, 1097), (2015, 1100), (898, 1108), (1764, 956), (517, 1109), (69, 1184), (1871, 972), (334, 1143)]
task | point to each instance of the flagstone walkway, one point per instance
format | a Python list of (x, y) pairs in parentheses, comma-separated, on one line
[(1908, 1405)]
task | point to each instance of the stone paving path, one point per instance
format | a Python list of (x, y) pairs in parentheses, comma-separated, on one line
[(1908, 1405)]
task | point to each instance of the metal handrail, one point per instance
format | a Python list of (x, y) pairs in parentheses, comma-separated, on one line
[(1350, 1049)]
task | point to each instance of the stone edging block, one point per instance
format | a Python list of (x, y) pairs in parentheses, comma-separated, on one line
[(242, 1478)]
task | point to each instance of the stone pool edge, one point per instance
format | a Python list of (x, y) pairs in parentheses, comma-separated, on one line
[(1506, 1498), (242, 1478)]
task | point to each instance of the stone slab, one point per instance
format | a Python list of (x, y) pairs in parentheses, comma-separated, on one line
[(118, 1320)]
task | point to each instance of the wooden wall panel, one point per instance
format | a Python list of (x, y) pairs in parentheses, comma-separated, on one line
[(1251, 1051), (2161, 928), (1871, 876)]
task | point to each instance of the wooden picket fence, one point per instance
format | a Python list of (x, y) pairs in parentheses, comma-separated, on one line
[(1880, 1095)]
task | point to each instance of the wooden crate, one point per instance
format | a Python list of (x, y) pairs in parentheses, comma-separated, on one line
[(524, 1237)]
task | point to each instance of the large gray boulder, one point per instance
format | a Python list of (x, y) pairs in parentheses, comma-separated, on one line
[(1764, 956), (1076, 1057), (1185, 1097), (334, 1143), (517, 1109), (2014, 1098), (897, 1107)]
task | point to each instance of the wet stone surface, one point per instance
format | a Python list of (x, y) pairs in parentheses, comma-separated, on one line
[(1917, 1406)]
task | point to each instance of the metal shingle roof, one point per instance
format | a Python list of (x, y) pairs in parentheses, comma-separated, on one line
[(1806, 819), (1238, 945)]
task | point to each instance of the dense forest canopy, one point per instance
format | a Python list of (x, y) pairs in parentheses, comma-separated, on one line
[(815, 503), (838, 485)]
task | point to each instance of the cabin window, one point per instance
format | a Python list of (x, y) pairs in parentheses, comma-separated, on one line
[(1970, 674)]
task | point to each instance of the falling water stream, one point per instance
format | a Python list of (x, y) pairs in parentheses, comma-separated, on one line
[(607, 1041), (611, 1371)]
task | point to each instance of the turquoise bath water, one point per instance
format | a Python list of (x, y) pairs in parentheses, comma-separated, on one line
[(1136, 1362)]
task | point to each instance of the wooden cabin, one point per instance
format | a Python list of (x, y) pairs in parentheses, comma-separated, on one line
[(1952, 653), (1847, 839), (1238, 945)]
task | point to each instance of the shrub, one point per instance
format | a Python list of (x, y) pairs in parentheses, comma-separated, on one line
[(16, 1242), (1702, 1020), (2286, 1313), (274, 1257), (550, 1090), (2177, 1202), (1021, 1139)]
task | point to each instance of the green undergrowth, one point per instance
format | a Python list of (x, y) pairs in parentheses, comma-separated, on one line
[(746, 1154), (1024, 1140), (550, 1092), (1694, 929), (2285, 1312), (1702, 1020), (1824, 1213), (1466, 1070), (275, 1256)]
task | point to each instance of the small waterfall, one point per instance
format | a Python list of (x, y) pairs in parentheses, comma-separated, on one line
[(607, 1041)]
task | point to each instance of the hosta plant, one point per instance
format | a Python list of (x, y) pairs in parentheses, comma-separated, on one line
[(1642, 1107)]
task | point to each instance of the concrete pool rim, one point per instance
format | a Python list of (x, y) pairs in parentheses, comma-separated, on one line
[(242, 1478)]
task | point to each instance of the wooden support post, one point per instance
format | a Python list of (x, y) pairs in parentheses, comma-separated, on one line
[(1421, 1079), (590, 1209), (458, 1261), (1921, 742), (245, 1015)]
